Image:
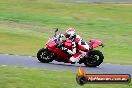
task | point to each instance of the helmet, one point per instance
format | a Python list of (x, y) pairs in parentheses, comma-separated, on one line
[(70, 33), (70, 29)]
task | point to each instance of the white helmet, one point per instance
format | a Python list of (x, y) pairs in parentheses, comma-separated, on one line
[(70, 33)]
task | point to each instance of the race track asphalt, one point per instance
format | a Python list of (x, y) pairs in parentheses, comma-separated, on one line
[(32, 62)]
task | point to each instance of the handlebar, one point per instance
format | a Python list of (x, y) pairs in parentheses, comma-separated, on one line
[(56, 29)]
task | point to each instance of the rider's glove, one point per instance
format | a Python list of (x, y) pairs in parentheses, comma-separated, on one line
[(61, 35)]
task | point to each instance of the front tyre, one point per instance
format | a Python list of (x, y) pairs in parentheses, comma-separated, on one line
[(45, 56), (94, 58)]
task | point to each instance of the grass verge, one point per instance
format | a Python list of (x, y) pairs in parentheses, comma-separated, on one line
[(16, 77)]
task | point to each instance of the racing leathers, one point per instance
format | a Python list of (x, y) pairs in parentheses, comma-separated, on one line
[(79, 49)]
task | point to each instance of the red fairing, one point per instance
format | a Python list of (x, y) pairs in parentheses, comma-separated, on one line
[(61, 56), (51, 44), (68, 44), (94, 43)]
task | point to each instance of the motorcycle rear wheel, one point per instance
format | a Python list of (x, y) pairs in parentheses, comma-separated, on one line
[(45, 56), (95, 58)]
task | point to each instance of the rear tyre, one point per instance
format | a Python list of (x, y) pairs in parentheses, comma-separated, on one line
[(45, 56), (95, 58)]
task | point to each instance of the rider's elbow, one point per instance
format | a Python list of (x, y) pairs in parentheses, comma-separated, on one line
[(73, 53)]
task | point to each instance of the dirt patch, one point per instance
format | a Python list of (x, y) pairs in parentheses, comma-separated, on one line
[(25, 26)]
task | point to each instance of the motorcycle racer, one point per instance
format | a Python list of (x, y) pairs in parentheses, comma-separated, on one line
[(77, 45), (52, 50)]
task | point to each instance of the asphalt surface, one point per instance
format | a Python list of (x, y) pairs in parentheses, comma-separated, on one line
[(32, 62), (113, 1)]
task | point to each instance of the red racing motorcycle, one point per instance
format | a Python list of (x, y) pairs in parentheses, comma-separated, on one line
[(53, 51)]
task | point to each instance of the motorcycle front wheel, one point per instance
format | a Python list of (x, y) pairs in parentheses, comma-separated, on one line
[(94, 58), (45, 56)]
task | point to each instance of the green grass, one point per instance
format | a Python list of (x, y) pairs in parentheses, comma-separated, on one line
[(16, 77), (26, 25)]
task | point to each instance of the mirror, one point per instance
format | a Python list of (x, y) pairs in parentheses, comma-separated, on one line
[(56, 29)]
